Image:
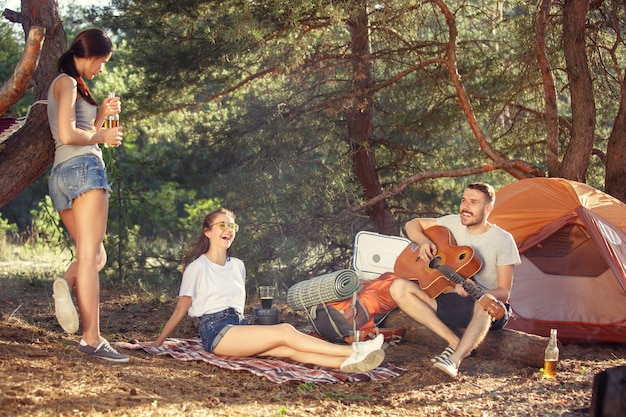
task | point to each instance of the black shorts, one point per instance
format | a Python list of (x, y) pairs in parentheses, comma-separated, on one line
[(456, 312)]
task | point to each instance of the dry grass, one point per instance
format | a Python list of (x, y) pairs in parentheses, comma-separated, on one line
[(42, 373)]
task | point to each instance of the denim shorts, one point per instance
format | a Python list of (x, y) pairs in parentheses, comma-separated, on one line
[(214, 326), (74, 177)]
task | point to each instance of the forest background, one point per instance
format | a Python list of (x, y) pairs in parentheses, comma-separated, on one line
[(316, 120)]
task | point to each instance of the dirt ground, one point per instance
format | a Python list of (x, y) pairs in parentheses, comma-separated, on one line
[(43, 374)]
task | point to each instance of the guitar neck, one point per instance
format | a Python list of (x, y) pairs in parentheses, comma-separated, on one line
[(473, 290)]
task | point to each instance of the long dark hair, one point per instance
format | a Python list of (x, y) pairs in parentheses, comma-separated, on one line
[(90, 43), (202, 245)]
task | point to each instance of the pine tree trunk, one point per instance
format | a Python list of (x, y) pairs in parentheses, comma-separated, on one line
[(29, 152), (576, 159), (360, 122)]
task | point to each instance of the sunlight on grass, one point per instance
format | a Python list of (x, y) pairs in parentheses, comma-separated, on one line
[(32, 261), (39, 263)]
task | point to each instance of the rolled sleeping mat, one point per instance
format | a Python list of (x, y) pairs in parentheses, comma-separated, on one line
[(333, 286)]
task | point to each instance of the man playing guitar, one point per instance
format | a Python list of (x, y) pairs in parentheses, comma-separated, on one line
[(455, 309)]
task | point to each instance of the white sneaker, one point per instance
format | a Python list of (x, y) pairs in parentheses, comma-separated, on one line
[(443, 355), (369, 345), (447, 367), (361, 361), (64, 306)]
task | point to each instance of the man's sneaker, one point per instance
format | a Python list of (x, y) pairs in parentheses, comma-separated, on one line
[(64, 308), (443, 355), (447, 366), (102, 351), (361, 361), (369, 345)]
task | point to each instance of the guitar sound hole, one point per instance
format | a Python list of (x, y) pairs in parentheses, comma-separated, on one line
[(462, 256), (435, 262)]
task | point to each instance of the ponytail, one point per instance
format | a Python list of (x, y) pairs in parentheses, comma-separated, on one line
[(89, 43)]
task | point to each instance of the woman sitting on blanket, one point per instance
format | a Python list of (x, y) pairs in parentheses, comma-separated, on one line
[(213, 289)]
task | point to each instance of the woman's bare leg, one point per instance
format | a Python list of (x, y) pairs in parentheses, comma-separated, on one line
[(283, 341), (70, 274), (86, 222)]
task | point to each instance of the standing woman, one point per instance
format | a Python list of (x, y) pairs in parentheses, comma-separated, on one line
[(78, 184), (213, 289)]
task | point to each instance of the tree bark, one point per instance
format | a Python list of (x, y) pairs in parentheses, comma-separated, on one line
[(26, 154), (615, 176), (361, 123), (615, 161), (16, 86), (549, 89), (576, 159), (30, 151), (502, 344)]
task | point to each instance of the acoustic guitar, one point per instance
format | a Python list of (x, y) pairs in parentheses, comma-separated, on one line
[(451, 265)]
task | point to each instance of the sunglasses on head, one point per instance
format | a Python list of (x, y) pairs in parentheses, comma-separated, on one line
[(224, 226)]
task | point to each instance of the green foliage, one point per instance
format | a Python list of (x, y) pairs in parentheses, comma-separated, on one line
[(6, 228), (12, 46), (46, 224), (306, 387), (196, 212), (273, 151), (245, 104)]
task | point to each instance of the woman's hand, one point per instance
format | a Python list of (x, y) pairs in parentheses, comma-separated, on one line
[(110, 137), (111, 105)]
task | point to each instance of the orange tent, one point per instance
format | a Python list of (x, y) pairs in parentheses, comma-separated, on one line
[(572, 240)]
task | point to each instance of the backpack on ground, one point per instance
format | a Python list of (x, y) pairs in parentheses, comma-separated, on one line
[(365, 310)]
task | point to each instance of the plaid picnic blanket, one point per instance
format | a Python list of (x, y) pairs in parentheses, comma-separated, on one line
[(276, 370)]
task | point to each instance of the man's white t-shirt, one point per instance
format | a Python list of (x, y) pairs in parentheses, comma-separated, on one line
[(494, 247)]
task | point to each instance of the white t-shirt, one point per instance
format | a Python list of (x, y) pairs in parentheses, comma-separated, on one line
[(214, 287), (494, 247)]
